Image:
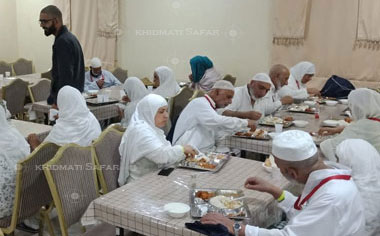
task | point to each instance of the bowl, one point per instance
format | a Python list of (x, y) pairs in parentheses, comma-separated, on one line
[(344, 101), (300, 123), (177, 209), (267, 168), (310, 103), (331, 103), (331, 123)]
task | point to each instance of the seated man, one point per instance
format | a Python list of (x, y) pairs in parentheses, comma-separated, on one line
[(250, 101), (200, 126), (279, 75), (300, 74), (330, 203), (96, 78)]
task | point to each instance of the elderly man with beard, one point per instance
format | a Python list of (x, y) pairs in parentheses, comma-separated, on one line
[(68, 62), (279, 75), (330, 203)]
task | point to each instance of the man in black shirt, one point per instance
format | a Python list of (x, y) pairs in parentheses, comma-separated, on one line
[(68, 62)]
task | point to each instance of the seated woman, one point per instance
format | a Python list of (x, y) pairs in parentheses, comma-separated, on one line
[(300, 74), (364, 161), (164, 81), (75, 123), (365, 108), (203, 73), (135, 90), (13, 149), (143, 148)]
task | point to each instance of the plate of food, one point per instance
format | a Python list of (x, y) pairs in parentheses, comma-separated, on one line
[(260, 134), (302, 109), (272, 120), (210, 162), (229, 202)]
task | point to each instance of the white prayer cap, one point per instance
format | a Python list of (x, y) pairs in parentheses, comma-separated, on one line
[(262, 77), (293, 145), (223, 84), (96, 62)]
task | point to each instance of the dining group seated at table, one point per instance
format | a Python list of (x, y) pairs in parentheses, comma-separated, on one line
[(164, 82), (75, 123), (201, 126), (143, 147), (97, 78), (330, 203), (279, 75), (203, 73)]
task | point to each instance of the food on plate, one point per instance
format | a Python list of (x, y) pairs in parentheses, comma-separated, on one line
[(206, 165), (205, 195), (348, 119), (224, 202), (258, 133), (309, 110), (271, 120), (288, 118), (267, 162)]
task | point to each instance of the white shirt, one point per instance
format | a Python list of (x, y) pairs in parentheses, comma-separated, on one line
[(334, 210), (242, 102), (90, 81), (200, 125), (295, 89)]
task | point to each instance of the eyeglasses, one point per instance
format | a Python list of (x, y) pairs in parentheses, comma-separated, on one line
[(44, 21)]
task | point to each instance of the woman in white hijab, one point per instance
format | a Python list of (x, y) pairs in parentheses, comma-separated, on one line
[(75, 123), (13, 149), (364, 161), (165, 82), (143, 148), (300, 74), (135, 90), (365, 108)]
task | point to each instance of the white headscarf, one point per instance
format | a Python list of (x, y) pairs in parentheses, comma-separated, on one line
[(364, 103), (301, 69), (142, 136), (135, 90), (364, 160), (208, 80), (75, 123), (168, 86), (13, 148)]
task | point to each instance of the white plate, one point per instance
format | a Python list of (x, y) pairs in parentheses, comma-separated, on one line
[(344, 101), (331, 103), (300, 123), (331, 123), (177, 209)]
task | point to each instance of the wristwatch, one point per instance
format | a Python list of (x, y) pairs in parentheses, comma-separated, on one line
[(237, 228)]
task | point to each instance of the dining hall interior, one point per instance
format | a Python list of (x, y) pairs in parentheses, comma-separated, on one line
[(189, 117)]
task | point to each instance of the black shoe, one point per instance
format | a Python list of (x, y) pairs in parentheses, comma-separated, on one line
[(23, 227)]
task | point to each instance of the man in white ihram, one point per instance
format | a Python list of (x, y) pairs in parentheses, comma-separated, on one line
[(96, 78), (330, 204), (200, 126)]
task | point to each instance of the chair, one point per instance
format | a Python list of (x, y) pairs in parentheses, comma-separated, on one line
[(120, 74), (72, 180), (118, 127), (15, 93), (230, 78), (4, 67), (46, 75), (107, 156), (40, 91), (32, 191), (23, 67), (178, 103)]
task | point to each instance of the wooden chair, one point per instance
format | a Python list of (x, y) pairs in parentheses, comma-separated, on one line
[(23, 67), (14, 93), (72, 180), (120, 74), (32, 194), (230, 78), (4, 67)]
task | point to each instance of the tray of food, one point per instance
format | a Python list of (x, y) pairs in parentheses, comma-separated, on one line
[(229, 202), (260, 134), (210, 162), (97, 102), (302, 109), (318, 139), (272, 120)]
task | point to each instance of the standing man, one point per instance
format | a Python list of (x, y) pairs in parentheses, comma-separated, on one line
[(68, 63)]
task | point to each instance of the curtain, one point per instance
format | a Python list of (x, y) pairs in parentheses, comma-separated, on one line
[(108, 18), (64, 6), (368, 32), (289, 21)]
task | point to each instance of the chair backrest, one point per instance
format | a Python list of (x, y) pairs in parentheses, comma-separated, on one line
[(4, 67), (40, 91), (118, 127), (14, 93), (71, 176), (107, 157), (46, 75), (179, 102), (32, 191), (120, 74), (230, 78), (23, 67)]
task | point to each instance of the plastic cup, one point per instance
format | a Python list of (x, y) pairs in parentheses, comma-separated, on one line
[(278, 128), (100, 98), (150, 88), (52, 114)]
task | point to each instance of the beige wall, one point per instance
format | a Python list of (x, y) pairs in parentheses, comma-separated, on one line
[(8, 31), (235, 34)]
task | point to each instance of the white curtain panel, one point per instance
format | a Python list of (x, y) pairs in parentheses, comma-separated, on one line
[(368, 31)]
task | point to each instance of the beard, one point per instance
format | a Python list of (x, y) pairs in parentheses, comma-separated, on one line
[(51, 30)]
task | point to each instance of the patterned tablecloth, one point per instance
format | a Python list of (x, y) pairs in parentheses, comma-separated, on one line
[(26, 128), (138, 206), (265, 146)]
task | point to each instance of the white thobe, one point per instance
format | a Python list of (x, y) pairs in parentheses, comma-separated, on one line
[(335, 209), (292, 89), (90, 81), (242, 102), (200, 125)]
